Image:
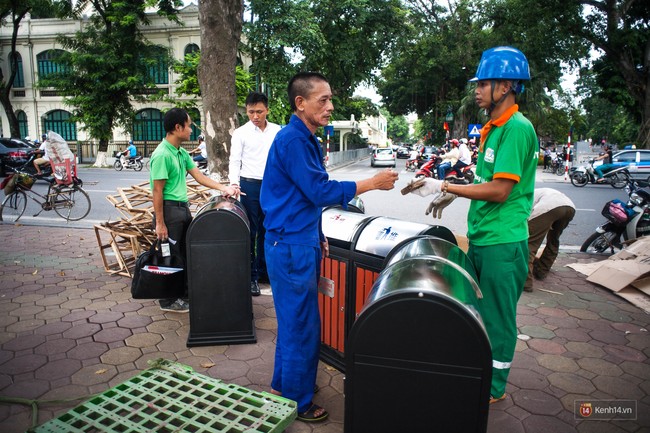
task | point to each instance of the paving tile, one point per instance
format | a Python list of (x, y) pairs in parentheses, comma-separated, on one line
[(243, 352), (94, 375), (500, 422), (82, 330), (78, 315), (625, 353), (88, 351), (585, 349), (571, 383), (163, 326), (30, 389), (558, 363), (580, 335), (610, 336), (53, 347), (134, 321), (524, 378), (112, 334), (537, 402), (143, 340), (23, 364), (24, 342), (105, 317), (546, 346), (229, 370), (58, 369), (121, 355), (546, 424), (536, 332), (618, 387), (52, 328), (600, 367)]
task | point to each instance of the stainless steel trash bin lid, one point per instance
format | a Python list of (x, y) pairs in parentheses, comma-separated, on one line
[(428, 276), (342, 225), (220, 203), (382, 234)]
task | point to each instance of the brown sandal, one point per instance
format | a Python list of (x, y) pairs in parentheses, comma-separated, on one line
[(315, 413)]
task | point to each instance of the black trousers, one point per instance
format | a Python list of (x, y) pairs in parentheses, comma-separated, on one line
[(177, 219)]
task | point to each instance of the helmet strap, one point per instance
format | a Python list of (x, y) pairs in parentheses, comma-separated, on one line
[(493, 104)]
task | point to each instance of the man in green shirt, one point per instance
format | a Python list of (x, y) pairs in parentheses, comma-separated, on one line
[(502, 198), (170, 164)]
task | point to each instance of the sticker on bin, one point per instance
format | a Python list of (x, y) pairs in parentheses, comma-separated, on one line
[(326, 287), (161, 270)]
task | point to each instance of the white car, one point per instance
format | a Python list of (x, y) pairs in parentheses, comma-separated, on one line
[(383, 156)]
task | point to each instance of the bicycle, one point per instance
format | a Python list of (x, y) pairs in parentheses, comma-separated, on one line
[(70, 202)]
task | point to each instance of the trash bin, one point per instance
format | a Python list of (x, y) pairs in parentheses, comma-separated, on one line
[(358, 247), (218, 266), (418, 358)]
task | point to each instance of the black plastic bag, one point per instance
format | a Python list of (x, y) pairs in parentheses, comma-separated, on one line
[(158, 277)]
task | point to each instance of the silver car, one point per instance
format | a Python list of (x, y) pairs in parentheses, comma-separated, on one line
[(383, 156)]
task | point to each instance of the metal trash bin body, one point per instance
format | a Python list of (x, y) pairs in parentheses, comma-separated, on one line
[(358, 247), (418, 353), (340, 228), (218, 265)]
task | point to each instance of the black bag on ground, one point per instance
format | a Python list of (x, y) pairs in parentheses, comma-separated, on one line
[(158, 277)]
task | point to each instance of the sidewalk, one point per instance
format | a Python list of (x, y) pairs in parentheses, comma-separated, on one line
[(69, 329)]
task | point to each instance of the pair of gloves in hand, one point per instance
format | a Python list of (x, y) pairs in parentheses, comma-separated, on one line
[(428, 186)]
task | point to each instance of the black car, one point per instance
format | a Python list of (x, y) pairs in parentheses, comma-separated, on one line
[(13, 153)]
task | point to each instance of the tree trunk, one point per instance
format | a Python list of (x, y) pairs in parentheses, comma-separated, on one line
[(14, 129), (221, 25)]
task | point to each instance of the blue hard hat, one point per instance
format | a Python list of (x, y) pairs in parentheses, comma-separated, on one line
[(502, 63)]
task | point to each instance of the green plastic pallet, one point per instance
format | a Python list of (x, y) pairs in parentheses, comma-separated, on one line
[(174, 398)]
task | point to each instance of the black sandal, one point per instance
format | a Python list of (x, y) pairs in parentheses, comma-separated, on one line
[(310, 414)]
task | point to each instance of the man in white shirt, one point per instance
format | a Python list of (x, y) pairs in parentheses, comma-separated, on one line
[(248, 152), (552, 212), (44, 158), (464, 158)]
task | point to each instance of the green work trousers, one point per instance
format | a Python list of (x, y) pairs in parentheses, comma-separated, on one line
[(501, 271)]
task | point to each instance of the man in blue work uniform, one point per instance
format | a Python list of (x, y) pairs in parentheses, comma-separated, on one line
[(295, 188)]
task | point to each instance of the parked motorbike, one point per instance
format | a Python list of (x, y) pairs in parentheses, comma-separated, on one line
[(122, 162), (583, 175), (625, 221), (555, 166), (429, 169)]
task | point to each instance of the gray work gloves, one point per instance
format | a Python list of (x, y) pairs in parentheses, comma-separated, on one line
[(439, 202)]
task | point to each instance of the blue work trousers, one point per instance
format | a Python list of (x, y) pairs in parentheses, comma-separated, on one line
[(294, 271), (251, 202)]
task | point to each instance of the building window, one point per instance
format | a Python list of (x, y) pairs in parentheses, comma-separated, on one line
[(57, 121), (191, 49), (148, 126), (19, 79), (47, 63), (159, 72), (23, 129), (196, 120)]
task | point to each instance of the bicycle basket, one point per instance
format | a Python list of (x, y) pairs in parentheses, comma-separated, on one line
[(615, 212), (9, 184), (64, 171), (25, 180)]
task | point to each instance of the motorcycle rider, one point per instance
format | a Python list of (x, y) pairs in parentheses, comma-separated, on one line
[(607, 163), (413, 157), (44, 158), (464, 159), (448, 159), (130, 151), (201, 150)]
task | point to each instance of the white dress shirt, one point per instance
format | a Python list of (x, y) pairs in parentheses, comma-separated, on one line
[(249, 149)]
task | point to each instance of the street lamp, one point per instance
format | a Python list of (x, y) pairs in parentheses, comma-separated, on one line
[(144, 132)]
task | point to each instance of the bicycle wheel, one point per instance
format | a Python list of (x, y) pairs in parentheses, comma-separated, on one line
[(72, 203), (13, 207)]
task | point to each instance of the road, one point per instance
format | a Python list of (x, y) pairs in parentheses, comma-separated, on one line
[(589, 200)]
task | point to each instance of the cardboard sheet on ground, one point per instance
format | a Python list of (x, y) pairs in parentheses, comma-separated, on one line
[(623, 273)]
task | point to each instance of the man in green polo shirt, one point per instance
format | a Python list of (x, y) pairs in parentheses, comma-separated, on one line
[(170, 164), (502, 198)]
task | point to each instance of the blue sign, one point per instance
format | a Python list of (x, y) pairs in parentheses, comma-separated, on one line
[(474, 130), (329, 130)]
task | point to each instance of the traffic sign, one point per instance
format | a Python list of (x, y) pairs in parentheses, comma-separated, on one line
[(329, 130), (474, 130)]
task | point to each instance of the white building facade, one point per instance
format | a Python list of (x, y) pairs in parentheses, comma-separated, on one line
[(41, 110)]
